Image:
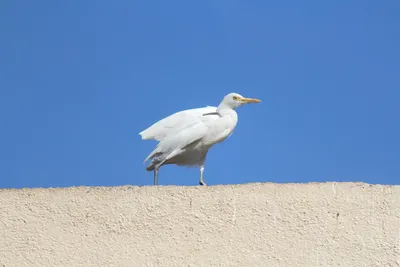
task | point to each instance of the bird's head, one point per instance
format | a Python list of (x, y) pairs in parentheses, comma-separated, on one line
[(234, 100)]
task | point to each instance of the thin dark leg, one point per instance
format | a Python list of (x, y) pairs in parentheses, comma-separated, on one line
[(201, 175), (156, 176)]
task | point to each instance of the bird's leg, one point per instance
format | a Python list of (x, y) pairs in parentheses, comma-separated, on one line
[(201, 175), (156, 176)]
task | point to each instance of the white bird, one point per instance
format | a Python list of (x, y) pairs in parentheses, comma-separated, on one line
[(186, 136)]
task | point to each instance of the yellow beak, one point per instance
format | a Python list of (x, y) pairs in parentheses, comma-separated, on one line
[(250, 100)]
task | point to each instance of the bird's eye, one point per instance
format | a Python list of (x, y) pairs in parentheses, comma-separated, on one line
[(235, 98)]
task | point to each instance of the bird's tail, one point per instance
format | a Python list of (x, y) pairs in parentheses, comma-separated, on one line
[(155, 163), (151, 166)]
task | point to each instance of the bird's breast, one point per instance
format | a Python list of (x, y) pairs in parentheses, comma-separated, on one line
[(219, 129)]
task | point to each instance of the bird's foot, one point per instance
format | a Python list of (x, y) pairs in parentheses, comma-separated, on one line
[(202, 183)]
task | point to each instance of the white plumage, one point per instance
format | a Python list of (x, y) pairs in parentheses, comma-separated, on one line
[(186, 136)]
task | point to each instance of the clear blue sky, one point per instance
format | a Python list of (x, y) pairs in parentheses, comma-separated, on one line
[(80, 79)]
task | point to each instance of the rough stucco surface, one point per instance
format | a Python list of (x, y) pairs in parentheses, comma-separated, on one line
[(328, 224)]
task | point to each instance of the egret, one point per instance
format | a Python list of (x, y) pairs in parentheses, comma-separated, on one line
[(186, 136)]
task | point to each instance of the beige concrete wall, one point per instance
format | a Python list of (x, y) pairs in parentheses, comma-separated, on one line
[(329, 224)]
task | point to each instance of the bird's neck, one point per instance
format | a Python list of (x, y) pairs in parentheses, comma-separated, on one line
[(224, 110)]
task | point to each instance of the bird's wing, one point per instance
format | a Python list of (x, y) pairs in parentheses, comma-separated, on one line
[(175, 123), (174, 144)]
